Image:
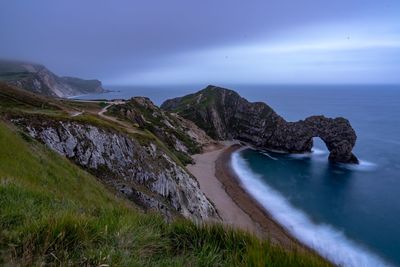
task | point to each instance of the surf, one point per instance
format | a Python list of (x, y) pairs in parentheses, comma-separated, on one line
[(329, 242)]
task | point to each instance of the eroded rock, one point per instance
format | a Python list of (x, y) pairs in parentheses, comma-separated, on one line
[(143, 172), (223, 114)]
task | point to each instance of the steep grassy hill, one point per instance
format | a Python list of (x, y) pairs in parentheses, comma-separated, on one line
[(54, 213)]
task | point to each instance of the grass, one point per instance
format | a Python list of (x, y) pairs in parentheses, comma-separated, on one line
[(14, 98), (155, 123), (12, 76), (82, 105), (54, 213)]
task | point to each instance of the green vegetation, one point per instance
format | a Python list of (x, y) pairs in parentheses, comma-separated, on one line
[(54, 213), (103, 104), (155, 121), (12, 70), (196, 107), (94, 106), (17, 99), (83, 85), (11, 76)]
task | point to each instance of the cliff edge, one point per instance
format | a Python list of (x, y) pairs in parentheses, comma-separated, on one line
[(38, 79)]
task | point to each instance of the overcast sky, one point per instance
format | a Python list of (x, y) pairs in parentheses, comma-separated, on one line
[(208, 41)]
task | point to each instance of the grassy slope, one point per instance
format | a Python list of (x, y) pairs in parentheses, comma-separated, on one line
[(53, 212), (156, 125)]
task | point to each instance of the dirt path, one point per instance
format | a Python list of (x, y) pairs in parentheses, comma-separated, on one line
[(127, 126)]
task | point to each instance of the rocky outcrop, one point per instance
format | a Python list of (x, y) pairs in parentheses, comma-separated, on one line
[(181, 136), (142, 171), (83, 86), (223, 114), (296, 137), (38, 79)]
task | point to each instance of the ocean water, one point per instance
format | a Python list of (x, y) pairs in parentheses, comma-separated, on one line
[(350, 214), (157, 94)]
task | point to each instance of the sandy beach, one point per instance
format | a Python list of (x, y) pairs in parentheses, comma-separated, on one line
[(235, 206)]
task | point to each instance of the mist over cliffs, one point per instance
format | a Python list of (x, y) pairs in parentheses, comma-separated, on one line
[(38, 79)]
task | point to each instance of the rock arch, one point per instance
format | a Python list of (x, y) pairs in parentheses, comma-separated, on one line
[(224, 114), (296, 137)]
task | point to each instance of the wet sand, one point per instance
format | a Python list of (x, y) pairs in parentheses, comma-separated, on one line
[(235, 206)]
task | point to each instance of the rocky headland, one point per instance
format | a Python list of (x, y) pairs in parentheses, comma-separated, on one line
[(224, 115), (141, 153), (38, 79)]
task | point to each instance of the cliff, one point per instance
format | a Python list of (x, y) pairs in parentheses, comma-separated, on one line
[(38, 79), (74, 184), (53, 213), (181, 136), (136, 163), (142, 171), (223, 114)]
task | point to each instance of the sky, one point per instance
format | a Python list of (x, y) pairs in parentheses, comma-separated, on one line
[(125, 42)]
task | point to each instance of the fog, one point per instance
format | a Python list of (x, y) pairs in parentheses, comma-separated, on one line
[(155, 42)]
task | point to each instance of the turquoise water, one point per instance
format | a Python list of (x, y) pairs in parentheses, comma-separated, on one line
[(350, 214)]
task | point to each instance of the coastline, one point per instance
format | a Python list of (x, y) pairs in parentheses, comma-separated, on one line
[(271, 229), (237, 208)]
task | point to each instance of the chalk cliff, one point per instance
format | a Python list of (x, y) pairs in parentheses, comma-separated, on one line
[(38, 79), (143, 171)]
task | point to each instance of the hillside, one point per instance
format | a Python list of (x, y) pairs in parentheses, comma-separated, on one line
[(58, 208), (38, 79), (130, 160), (181, 136)]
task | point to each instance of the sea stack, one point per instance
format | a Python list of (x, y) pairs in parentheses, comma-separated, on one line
[(225, 115)]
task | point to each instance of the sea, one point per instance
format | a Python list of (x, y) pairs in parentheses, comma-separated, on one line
[(350, 214)]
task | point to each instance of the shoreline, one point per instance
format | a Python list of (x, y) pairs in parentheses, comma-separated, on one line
[(236, 207), (232, 185)]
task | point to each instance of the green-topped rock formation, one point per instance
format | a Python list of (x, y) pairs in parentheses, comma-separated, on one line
[(224, 114)]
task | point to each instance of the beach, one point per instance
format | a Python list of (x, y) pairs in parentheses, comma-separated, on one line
[(235, 206)]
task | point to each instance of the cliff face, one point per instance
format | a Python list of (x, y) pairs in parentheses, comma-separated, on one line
[(223, 114), (38, 79), (181, 136), (143, 172)]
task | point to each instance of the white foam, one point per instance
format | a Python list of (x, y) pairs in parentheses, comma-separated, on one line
[(268, 155), (362, 166), (315, 152), (318, 152), (329, 242), (300, 155)]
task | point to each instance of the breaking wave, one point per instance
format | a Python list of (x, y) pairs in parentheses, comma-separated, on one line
[(362, 166), (315, 152), (328, 241)]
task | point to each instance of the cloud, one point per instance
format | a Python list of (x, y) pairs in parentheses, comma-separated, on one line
[(348, 54), (110, 39)]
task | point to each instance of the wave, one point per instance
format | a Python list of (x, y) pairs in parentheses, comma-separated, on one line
[(362, 166), (329, 242), (319, 152), (315, 152), (269, 156)]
